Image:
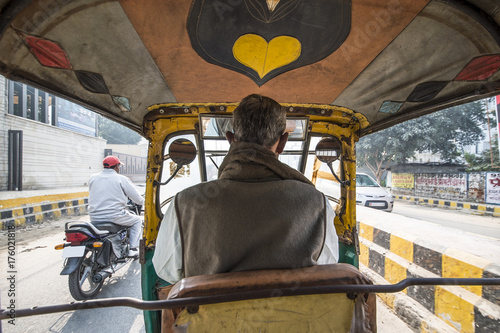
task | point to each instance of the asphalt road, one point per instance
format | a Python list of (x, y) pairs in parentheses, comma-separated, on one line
[(37, 267), (37, 282), (457, 219)]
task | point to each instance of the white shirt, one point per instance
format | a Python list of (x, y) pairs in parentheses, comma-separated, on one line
[(167, 259), (108, 195)]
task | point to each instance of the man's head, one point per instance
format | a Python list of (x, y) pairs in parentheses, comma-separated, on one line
[(261, 120), (111, 162)]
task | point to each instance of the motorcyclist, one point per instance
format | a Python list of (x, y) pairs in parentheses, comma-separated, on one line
[(108, 196)]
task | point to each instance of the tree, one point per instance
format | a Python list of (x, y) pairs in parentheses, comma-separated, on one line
[(445, 133), (482, 162), (378, 150), (115, 133)]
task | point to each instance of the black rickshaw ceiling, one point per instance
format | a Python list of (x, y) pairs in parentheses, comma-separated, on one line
[(388, 62), (351, 67), (262, 40)]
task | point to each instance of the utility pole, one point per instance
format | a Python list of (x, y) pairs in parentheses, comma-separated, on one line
[(489, 132)]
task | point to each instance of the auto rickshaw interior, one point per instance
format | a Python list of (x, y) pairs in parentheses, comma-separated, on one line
[(206, 130), (187, 146), (167, 70)]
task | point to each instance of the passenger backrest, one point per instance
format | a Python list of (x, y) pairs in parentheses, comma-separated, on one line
[(340, 312)]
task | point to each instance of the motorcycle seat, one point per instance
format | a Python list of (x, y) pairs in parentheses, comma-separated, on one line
[(109, 226)]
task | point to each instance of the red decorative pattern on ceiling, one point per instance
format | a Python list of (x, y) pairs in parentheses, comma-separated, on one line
[(480, 68), (47, 52)]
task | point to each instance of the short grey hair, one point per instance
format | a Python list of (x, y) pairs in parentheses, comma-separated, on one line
[(259, 119)]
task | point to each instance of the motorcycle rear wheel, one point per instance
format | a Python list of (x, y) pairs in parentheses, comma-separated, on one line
[(80, 281)]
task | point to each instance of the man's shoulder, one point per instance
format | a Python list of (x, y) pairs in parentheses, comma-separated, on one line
[(95, 175), (215, 186), (122, 177), (211, 183), (301, 184), (301, 187), (204, 188)]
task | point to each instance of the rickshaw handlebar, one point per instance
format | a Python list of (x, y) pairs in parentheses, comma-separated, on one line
[(193, 302)]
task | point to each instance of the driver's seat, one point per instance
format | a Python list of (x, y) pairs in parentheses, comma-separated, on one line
[(340, 312)]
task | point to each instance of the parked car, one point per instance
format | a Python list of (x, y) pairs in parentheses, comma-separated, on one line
[(370, 194)]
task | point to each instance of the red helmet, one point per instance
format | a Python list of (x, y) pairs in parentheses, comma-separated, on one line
[(111, 161)]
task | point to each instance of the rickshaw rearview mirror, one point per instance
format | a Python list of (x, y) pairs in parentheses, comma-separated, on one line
[(214, 127), (328, 150), (182, 152)]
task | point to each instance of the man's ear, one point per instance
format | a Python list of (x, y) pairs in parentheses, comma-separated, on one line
[(282, 143), (230, 137)]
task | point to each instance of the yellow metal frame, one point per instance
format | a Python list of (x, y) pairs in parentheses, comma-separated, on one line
[(164, 120)]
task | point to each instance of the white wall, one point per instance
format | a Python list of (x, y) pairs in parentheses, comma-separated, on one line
[(140, 149), (52, 157), (425, 158)]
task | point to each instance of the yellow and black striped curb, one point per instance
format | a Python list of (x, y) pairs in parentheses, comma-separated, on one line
[(21, 212), (471, 309), (450, 204), (409, 310)]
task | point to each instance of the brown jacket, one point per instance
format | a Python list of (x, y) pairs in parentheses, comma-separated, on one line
[(259, 214)]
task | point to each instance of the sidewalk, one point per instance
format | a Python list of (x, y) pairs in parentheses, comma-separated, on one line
[(21, 208), (395, 247), (481, 208)]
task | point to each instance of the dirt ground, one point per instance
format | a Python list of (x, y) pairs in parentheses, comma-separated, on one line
[(38, 230)]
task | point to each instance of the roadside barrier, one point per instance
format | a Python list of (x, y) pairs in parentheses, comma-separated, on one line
[(27, 211), (480, 208), (387, 255), (390, 254)]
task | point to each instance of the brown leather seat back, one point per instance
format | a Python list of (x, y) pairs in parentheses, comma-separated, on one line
[(274, 280)]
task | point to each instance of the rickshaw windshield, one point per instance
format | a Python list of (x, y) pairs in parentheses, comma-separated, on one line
[(212, 147), (187, 176)]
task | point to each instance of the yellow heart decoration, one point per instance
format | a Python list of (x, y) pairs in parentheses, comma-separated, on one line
[(255, 52)]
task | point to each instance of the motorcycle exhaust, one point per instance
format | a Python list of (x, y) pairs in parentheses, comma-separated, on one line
[(100, 276)]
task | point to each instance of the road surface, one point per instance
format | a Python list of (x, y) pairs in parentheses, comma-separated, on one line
[(37, 267), (38, 283), (474, 223)]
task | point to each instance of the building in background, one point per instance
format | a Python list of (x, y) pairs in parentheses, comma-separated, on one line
[(47, 142), (134, 158)]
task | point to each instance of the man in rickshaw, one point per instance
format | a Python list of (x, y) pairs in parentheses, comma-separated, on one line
[(259, 214)]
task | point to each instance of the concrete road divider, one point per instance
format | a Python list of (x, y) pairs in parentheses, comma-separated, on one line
[(393, 248), (30, 207), (480, 208)]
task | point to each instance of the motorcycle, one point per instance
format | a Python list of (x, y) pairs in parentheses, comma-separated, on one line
[(93, 252)]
